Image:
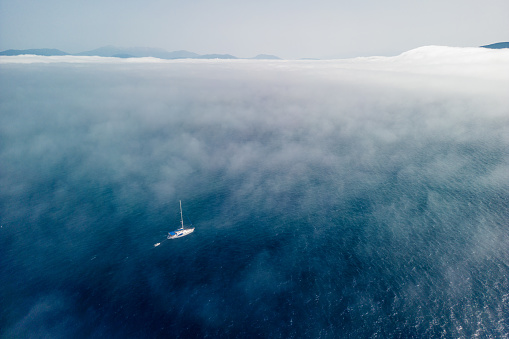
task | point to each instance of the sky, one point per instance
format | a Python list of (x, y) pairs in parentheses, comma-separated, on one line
[(344, 198), (290, 29)]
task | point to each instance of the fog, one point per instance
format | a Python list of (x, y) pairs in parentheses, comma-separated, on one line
[(357, 197)]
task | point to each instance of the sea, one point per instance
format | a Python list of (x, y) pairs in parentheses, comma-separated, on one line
[(356, 198)]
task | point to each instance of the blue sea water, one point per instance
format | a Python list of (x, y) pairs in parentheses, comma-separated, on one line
[(328, 203)]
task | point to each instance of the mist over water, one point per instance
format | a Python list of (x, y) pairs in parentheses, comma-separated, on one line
[(349, 198)]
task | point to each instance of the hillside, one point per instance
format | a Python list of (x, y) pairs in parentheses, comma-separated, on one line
[(497, 45), (132, 52), (40, 51)]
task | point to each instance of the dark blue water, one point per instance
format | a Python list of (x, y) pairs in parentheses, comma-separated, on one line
[(341, 204)]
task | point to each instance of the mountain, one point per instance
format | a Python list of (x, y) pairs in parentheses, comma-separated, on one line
[(41, 51), (497, 45), (123, 56), (266, 57), (216, 56), (105, 51), (134, 52), (182, 55), (138, 52)]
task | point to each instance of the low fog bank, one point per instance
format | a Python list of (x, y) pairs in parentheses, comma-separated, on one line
[(360, 197)]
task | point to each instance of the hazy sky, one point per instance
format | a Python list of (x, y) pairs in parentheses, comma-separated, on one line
[(289, 29)]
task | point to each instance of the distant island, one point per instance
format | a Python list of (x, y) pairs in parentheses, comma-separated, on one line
[(42, 51), (133, 52), (497, 45)]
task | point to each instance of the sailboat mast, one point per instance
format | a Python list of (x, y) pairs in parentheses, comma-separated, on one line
[(181, 219)]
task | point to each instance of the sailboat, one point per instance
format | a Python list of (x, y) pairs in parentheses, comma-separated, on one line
[(181, 232)]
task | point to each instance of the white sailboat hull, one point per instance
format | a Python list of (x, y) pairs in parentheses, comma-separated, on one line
[(180, 233)]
